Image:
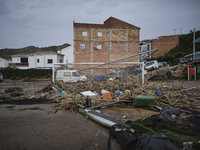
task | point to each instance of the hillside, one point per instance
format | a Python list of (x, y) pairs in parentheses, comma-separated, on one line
[(7, 52), (185, 47)]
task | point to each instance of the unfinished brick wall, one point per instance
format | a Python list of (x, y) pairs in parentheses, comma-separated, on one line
[(164, 44), (118, 40)]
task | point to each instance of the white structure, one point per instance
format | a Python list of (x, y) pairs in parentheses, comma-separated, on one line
[(44, 59), (3, 63), (145, 49), (68, 54), (40, 60)]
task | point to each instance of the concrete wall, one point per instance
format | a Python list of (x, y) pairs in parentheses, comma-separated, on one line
[(43, 60), (3, 63), (16, 59), (164, 44), (68, 54)]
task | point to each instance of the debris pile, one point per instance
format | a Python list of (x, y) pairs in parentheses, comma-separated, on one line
[(170, 72)]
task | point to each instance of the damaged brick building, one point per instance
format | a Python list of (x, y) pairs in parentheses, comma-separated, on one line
[(164, 44), (99, 43)]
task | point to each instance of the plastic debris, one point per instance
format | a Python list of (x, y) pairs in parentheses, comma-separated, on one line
[(63, 93), (117, 92), (159, 93), (88, 93)]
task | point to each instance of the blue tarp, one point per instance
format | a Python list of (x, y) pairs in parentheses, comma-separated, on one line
[(100, 78)]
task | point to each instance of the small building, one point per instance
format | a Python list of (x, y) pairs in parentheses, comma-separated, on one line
[(145, 50), (3, 63), (39, 60), (68, 54), (19, 61)]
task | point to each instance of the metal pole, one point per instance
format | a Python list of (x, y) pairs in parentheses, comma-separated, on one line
[(53, 79), (195, 77), (193, 44), (142, 72)]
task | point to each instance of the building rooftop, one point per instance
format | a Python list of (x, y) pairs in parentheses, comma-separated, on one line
[(2, 59), (36, 53), (109, 23)]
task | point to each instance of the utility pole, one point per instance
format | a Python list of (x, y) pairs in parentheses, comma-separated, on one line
[(193, 44)]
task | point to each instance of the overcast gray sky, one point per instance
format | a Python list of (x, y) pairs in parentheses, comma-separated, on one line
[(50, 22)]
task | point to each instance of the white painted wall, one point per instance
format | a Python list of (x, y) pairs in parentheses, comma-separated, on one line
[(3, 63), (68, 54), (31, 62), (43, 60), (16, 59), (146, 50)]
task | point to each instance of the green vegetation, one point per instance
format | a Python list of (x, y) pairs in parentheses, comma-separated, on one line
[(7, 52), (10, 73), (185, 47)]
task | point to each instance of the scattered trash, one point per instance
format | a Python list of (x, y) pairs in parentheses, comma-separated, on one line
[(111, 79), (170, 111), (100, 78), (88, 93), (154, 142), (63, 93), (117, 92), (106, 95), (158, 93), (104, 91), (88, 101)]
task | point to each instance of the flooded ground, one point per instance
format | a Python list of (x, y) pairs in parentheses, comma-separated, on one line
[(39, 126)]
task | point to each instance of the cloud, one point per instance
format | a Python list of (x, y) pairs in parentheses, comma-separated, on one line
[(49, 22)]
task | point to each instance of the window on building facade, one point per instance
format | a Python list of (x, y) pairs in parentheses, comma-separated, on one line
[(99, 34), (38, 60), (147, 47), (84, 33), (99, 46), (82, 46), (60, 60), (50, 61), (24, 60)]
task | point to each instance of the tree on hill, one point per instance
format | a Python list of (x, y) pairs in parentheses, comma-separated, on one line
[(8, 52)]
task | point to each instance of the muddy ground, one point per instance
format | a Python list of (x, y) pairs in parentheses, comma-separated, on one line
[(41, 126)]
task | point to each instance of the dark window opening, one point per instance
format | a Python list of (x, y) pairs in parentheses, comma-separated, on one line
[(38, 60), (24, 60), (50, 61)]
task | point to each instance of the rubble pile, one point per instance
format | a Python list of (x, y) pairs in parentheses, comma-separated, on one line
[(68, 95), (170, 72), (173, 95)]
